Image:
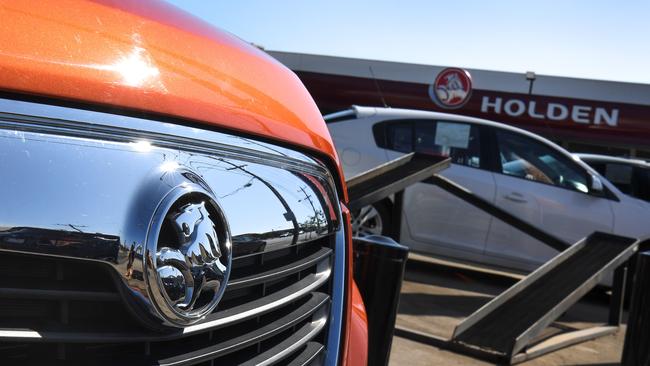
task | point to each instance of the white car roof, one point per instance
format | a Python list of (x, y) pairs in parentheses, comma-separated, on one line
[(363, 112), (399, 113), (612, 159)]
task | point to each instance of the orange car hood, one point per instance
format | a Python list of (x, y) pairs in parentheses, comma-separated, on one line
[(149, 56)]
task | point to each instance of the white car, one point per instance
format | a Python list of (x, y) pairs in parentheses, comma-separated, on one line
[(523, 173), (630, 176)]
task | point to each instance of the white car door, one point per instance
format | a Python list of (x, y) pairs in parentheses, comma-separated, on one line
[(546, 188), (435, 221)]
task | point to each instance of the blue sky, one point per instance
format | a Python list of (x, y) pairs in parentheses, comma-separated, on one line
[(595, 39)]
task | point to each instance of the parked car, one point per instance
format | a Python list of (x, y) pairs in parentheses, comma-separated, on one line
[(140, 147), (518, 171), (630, 176)]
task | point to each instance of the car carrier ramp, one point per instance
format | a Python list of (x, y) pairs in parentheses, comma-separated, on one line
[(505, 326), (509, 328), (384, 180)]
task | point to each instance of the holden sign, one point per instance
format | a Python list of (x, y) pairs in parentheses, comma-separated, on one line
[(541, 109), (452, 88)]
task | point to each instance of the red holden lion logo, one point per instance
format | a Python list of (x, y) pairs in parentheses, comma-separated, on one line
[(452, 88)]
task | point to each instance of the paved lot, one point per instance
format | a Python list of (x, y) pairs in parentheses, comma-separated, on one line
[(435, 298)]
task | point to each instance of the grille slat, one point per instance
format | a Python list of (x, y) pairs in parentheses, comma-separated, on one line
[(64, 262), (312, 354), (276, 306), (275, 273), (317, 301), (35, 294), (291, 344), (267, 303), (223, 318)]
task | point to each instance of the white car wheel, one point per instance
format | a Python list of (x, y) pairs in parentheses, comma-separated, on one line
[(366, 222)]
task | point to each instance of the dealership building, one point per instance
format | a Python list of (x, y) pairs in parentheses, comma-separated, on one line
[(582, 115)]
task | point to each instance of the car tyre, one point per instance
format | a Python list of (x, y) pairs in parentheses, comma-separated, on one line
[(373, 219)]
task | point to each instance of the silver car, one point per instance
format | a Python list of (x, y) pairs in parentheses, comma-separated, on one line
[(523, 173)]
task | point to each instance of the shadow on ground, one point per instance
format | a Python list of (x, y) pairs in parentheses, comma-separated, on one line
[(440, 304), (436, 298)]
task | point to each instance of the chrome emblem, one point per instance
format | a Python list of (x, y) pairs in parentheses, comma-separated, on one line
[(191, 258), (452, 88)]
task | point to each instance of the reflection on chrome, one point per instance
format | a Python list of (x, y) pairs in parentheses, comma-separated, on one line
[(94, 198), (73, 243), (141, 146), (187, 255)]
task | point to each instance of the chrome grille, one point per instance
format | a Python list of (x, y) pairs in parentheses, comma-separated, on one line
[(275, 311), (80, 190)]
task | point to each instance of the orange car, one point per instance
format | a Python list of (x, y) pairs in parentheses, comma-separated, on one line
[(170, 195)]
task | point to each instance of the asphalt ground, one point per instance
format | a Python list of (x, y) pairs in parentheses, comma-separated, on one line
[(436, 296)]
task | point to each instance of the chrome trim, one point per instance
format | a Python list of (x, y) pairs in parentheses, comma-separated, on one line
[(291, 344), (107, 337), (85, 184), (293, 267), (317, 306), (20, 334), (261, 305), (335, 334), (197, 258), (28, 116)]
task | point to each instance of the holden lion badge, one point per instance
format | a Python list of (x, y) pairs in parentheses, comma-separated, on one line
[(452, 88), (189, 251)]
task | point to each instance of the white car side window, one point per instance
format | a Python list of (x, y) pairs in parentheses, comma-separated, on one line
[(400, 137), (460, 141), (621, 175), (529, 159)]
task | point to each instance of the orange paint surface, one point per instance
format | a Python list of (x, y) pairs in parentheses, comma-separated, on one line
[(149, 56), (355, 340), (356, 350)]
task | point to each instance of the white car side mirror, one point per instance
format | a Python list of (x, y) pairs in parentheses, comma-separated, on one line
[(596, 184)]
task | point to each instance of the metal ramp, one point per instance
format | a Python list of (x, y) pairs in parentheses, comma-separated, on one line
[(379, 261), (393, 177), (509, 328), (507, 324)]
